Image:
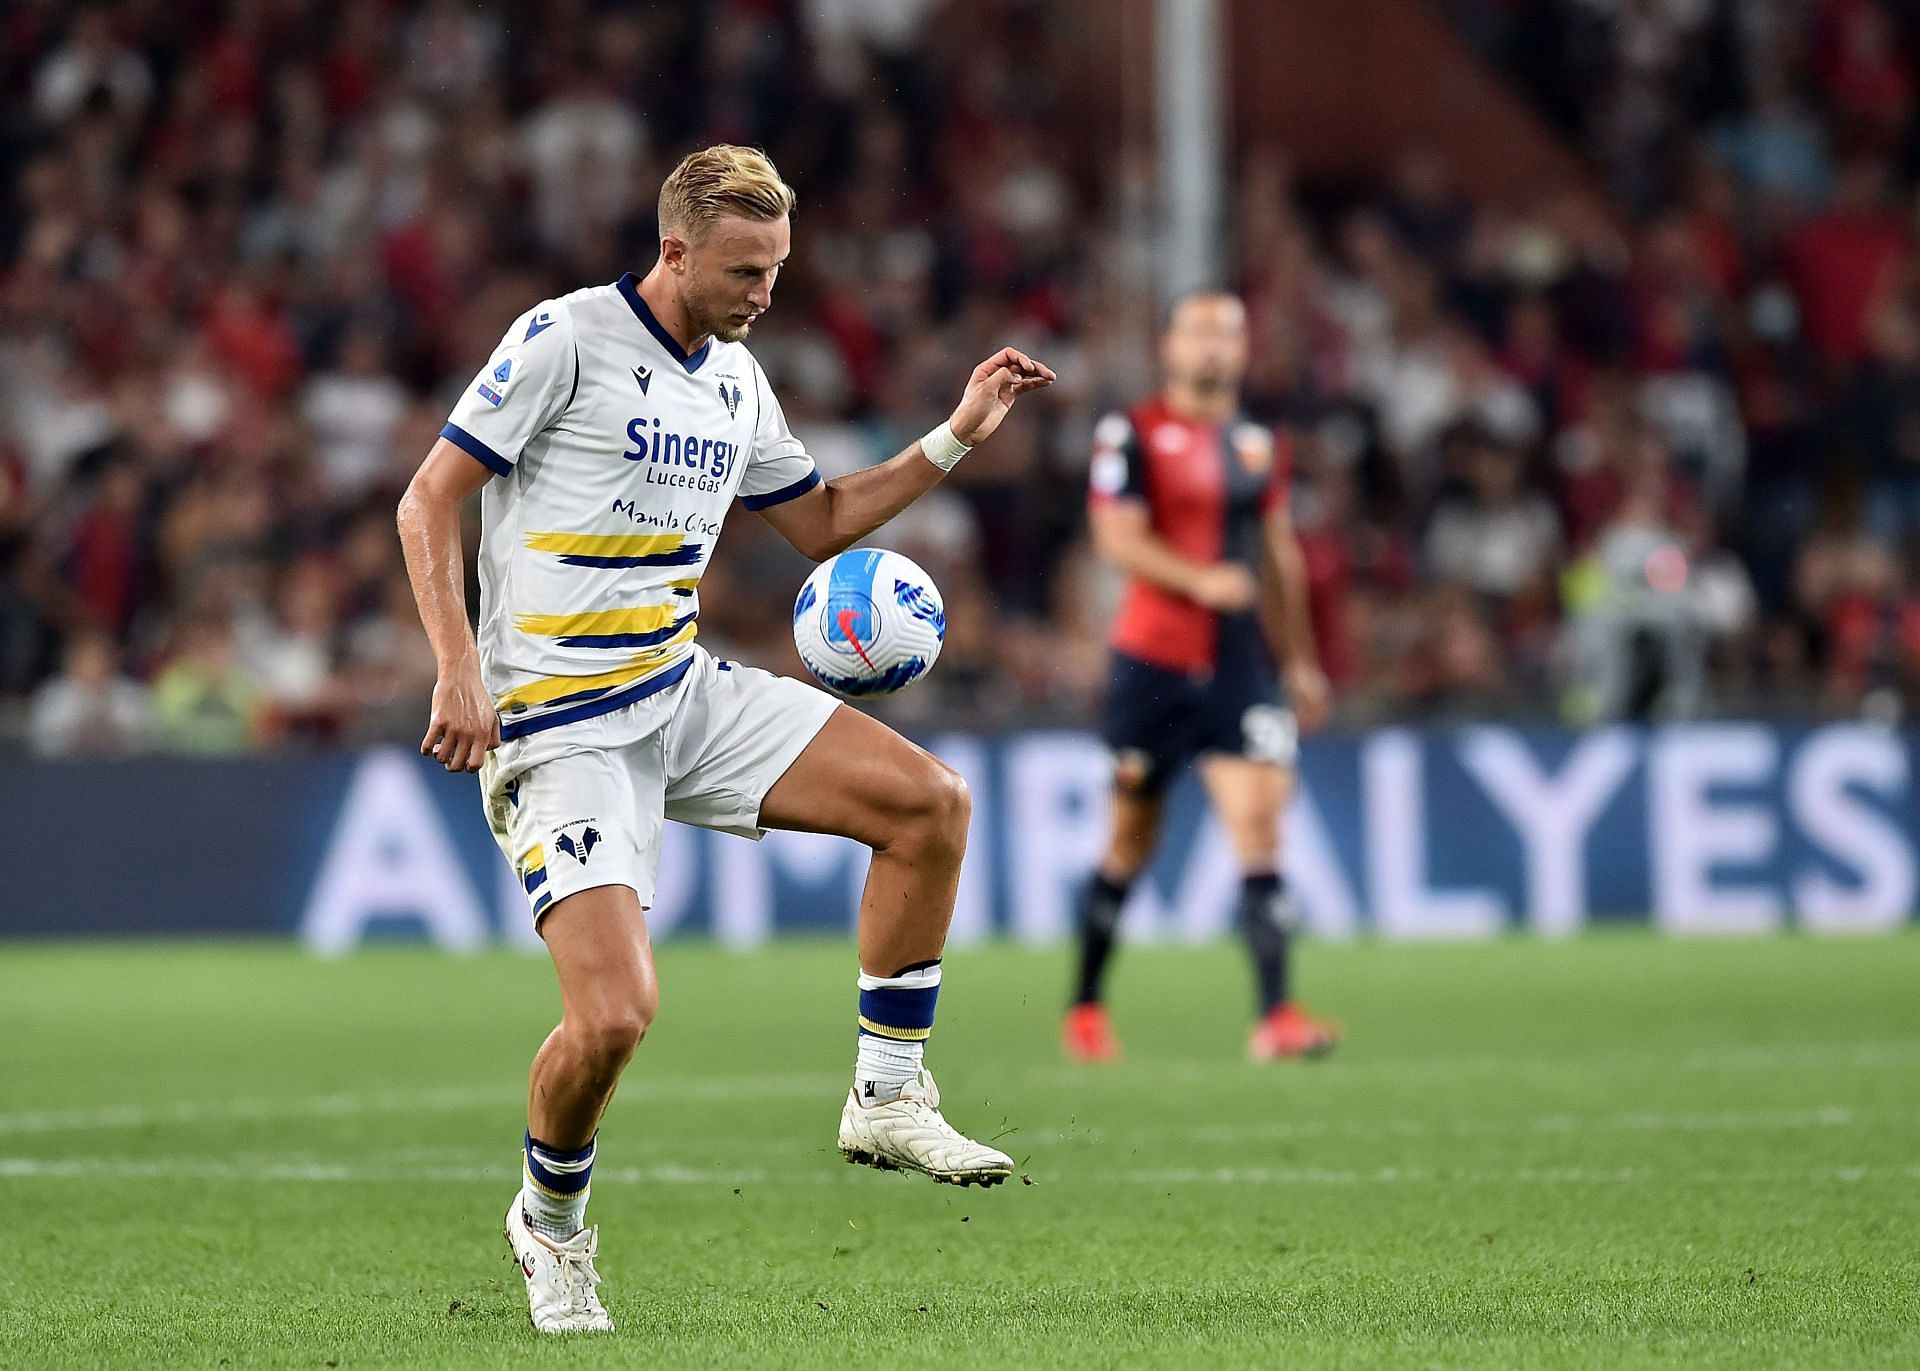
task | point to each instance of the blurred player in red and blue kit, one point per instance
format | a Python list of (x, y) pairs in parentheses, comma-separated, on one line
[(1189, 498)]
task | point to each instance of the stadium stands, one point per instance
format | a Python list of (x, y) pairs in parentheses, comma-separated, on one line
[(1554, 462)]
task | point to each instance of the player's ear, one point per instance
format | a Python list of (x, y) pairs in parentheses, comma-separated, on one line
[(673, 251)]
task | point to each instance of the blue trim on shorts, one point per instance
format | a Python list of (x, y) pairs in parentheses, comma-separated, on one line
[(593, 709)]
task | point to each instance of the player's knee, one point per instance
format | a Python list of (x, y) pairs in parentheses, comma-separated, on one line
[(612, 1033), (950, 806), (612, 1039), (940, 813)]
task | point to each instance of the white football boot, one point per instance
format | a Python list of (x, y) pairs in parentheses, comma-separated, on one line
[(560, 1277), (909, 1134)]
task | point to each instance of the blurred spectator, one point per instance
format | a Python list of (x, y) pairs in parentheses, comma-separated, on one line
[(204, 701), (1878, 419), (1494, 536), (91, 61), (1843, 260), (1858, 602), (293, 656), (106, 547), (354, 410), (390, 667), (1642, 623), (250, 250), (90, 709)]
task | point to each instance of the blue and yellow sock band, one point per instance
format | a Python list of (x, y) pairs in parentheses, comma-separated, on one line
[(900, 1006), (558, 1172)]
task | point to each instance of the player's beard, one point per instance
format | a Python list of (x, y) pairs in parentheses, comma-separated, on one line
[(1213, 383), (722, 325)]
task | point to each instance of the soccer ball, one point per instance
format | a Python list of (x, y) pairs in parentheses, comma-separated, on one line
[(868, 622)]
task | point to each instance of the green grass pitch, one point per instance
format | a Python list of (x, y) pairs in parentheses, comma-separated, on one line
[(1617, 1151)]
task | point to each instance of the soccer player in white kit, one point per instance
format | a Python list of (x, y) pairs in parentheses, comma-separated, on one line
[(609, 434)]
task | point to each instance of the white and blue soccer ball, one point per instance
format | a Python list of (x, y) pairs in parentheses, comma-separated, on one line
[(868, 622)]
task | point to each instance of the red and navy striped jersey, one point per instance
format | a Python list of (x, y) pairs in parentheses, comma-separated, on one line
[(1207, 489)]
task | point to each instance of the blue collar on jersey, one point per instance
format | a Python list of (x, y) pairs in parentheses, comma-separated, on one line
[(631, 289)]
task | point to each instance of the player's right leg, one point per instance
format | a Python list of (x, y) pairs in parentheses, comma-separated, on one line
[(1147, 728), (1087, 1033), (584, 840), (608, 997)]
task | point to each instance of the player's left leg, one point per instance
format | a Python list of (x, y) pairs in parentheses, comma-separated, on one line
[(861, 780), (1149, 727), (749, 751), (1250, 796)]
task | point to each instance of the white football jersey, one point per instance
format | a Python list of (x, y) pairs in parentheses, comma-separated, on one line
[(616, 457)]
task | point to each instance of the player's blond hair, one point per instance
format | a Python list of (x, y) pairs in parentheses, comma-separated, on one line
[(719, 181)]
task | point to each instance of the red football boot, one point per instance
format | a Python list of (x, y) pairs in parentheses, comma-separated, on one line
[(1289, 1031), (1087, 1036)]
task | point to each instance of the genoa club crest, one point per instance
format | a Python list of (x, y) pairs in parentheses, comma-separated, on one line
[(1253, 445)]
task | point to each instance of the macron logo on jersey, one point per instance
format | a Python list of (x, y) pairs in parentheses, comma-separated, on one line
[(539, 324), (644, 375)]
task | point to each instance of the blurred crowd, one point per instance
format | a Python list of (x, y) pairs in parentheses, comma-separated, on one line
[(1646, 455)]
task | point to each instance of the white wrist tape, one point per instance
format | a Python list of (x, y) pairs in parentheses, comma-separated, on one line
[(942, 448)]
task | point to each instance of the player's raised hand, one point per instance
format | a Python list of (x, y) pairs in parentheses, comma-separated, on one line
[(995, 384), (464, 726)]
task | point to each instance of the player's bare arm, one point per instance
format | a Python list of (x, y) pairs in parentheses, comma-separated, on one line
[(842, 511), (464, 725), (1288, 610), (1123, 535)]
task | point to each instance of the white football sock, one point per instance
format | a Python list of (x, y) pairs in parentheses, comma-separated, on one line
[(884, 1068), (896, 1017), (554, 1186)]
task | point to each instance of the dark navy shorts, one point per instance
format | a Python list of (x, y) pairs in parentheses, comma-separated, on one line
[(1157, 720)]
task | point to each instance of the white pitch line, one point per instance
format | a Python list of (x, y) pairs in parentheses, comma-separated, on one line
[(187, 1168), (349, 1104), (1639, 1121), (344, 1105), (828, 1172), (1566, 1175), (454, 1100), (1762, 1058)]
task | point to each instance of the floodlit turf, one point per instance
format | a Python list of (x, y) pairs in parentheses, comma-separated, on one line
[(1612, 1152)]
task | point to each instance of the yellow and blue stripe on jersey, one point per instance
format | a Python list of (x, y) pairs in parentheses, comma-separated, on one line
[(569, 699), (645, 626), (617, 549), (662, 631)]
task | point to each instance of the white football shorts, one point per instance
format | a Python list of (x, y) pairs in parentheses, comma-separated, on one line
[(582, 805)]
